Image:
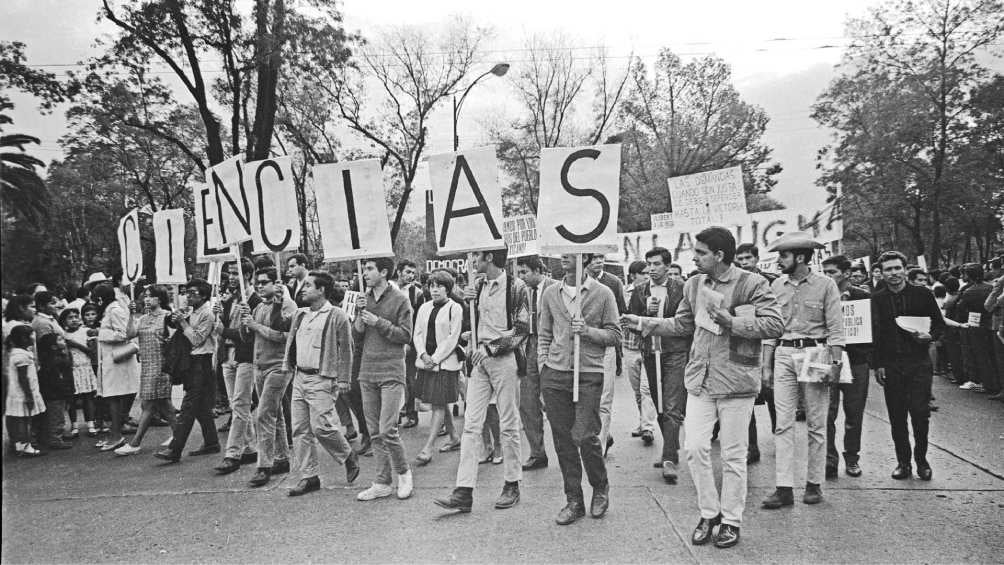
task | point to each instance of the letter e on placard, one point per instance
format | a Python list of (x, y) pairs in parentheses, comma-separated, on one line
[(206, 234), (130, 250), (579, 198), (234, 214), (352, 210), (169, 235), (275, 220), (467, 201)]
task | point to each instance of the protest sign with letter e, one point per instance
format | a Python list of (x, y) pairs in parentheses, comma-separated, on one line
[(169, 236), (577, 212), (205, 227), (275, 220), (130, 250)]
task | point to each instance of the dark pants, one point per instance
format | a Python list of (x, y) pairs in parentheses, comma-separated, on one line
[(979, 352), (674, 400), (287, 411), (200, 397), (410, 372), (55, 420), (575, 428), (530, 411), (908, 393), (999, 358), (953, 347), (767, 396), (356, 404), (855, 394)]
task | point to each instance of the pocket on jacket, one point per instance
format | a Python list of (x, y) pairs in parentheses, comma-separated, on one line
[(744, 351)]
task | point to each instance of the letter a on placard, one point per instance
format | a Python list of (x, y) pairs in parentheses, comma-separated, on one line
[(169, 235), (275, 220), (352, 210), (130, 251), (579, 198), (467, 201), (206, 232), (231, 202)]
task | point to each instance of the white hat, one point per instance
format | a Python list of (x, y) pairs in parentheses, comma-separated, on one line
[(795, 240), (96, 278)]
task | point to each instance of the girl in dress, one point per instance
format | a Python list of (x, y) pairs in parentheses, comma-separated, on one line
[(23, 397), (85, 382), (117, 364), (437, 330), (91, 315)]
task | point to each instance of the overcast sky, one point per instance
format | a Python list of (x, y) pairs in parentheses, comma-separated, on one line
[(782, 53)]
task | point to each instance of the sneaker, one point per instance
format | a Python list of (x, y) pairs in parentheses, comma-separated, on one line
[(377, 490), (405, 484), (27, 450), (127, 450), (167, 442), (968, 385)]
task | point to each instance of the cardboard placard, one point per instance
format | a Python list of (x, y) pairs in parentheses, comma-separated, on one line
[(579, 199), (857, 321), (205, 227), (275, 222), (234, 214), (352, 210), (663, 221), (467, 201), (169, 236), (130, 249), (349, 303), (520, 234), (711, 198), (458, 265)]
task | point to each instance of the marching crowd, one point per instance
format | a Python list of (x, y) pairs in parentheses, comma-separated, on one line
[(299, 367)]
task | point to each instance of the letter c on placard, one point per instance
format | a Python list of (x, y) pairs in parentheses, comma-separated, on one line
[(261, 206), (134, 275), (604, 204)]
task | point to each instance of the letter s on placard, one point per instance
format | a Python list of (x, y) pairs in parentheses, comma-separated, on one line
[(601, 226)]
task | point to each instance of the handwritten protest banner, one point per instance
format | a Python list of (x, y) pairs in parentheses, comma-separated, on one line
[(205, 227), (458, 265), (579, 198), (349, 303), (352, 210), (857, 321), (712, 198), (130, 249), (520, 234), (467, 201), (169, 237), (275, 221), (663, 221), (234, 214)]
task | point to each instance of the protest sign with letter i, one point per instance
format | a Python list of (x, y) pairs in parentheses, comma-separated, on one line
[(169, 236), (352, 211)]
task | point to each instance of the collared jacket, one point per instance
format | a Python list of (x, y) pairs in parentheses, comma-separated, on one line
[(892, 344), (336, 345), (639, 305), (726, 365)]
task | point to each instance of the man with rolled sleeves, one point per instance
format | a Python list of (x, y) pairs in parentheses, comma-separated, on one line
[(813, 316)]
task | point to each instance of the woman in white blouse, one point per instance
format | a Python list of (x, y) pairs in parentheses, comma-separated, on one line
[(437, 331), (118, 367)]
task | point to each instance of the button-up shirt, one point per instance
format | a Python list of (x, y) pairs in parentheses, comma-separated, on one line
[(492, 322), (308, 337), (810, 308), (270, 342), (203, 330)]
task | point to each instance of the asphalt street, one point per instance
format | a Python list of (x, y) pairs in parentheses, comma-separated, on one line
[(83, 506)]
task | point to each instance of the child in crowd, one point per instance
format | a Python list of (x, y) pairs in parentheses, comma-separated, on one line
[(91, 316), (23, 397), (84, 379)]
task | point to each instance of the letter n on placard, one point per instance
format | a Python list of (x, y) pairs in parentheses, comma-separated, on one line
[(130, 249), (467, 201), (234, 214), (352, 210), (275, 220), (579, 199), (169, 235)]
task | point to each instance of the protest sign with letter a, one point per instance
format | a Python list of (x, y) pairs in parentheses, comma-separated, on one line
[(169, 236), (130, 250), (352, 211), (275, 221), (579, 191), (467, 201)]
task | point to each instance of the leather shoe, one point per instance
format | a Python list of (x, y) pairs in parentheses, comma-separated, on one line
[(228, 466), (249, 458), (853, 470), (902, 472), (669, 472), (410, 422), (308, 484), (167, 455), (778, 499), (728, 536), (704, 530), (647, 437), (924, 473), (601, 501), (535, 463), (509, 496), (260, 478), (610, 443), (351, 468), (205, 450), (571, 513), (460, 499), (813, 494), (279, 467)]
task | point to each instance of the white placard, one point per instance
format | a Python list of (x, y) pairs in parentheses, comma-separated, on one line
[(520, 234), (205, 227), (275, 224), (169, 236), (352, 211), (215, 274), (234, 214), (130, 249), (458, 265), (349, 303), (712, 198), (866, 261), (663, 221), (857, 321), (579, 199), (922, 262), (467, 201), (975, 318)]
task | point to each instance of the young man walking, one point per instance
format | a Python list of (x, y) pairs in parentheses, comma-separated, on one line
[(531, 271)]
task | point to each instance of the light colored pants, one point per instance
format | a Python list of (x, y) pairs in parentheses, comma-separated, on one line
[(382, 402), (270, 423), (493, 375), (634, 365), (733, 414), (607, 397), (817, 405), (315, 422), (239, 380)]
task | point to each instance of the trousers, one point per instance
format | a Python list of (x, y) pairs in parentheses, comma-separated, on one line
[(634, 366), (493, 375), (817, 403), (607, 396), (315, 422), (530, 408), (907, 396), (575, 428), (733, 415), (197, 405), (271, 383), (382, 401), (854, 394), (239, 381), (674, 400)]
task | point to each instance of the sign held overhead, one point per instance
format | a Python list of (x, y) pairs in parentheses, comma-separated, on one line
[(579, 195)]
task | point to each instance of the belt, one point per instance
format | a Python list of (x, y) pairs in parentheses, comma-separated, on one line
[(306, 371), (800, 343)]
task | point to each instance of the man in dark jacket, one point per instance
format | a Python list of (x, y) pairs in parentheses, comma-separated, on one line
[(978, 346), (900, 359), (55, 369)]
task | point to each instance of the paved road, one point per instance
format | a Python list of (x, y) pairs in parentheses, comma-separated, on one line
[(82, 506)]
